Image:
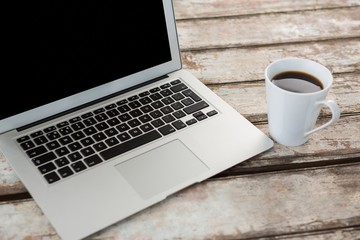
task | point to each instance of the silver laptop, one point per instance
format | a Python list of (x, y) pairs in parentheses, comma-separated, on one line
[(106, 122)]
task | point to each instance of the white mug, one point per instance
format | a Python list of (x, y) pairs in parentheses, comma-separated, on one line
[(292, 113)]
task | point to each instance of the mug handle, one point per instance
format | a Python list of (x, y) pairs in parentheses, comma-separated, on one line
[(335, 111)]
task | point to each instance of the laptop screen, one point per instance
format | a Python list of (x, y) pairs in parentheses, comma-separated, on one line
[(56, 49)]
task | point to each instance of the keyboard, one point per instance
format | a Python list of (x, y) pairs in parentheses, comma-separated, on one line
[(72, 146)]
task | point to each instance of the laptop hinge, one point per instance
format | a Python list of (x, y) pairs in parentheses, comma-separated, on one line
[(90, 103)]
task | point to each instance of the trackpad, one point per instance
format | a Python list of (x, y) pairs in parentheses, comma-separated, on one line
[(160, 169)]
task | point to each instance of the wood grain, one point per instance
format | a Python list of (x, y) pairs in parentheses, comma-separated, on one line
[(336, 145), (221, 8), (248, 64), (255, 206), (269, 29), (250, 100)]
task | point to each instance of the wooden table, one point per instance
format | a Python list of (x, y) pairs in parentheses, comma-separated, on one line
[(306, 192)]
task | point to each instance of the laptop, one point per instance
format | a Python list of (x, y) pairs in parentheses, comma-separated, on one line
[(102, 121)]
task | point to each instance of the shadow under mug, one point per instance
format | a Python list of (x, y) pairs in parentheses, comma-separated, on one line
[(292, 115)]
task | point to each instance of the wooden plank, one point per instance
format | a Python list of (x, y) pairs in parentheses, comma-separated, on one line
[(250, 99), (332, 234), (220, 8), (249, 206), (248, 64), (9, 182), (335, 145), (269, 29)]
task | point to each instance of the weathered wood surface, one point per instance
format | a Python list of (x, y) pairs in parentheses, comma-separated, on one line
[(225, 8), (248, 64), (269, 28), (252, 206), (306, 192)]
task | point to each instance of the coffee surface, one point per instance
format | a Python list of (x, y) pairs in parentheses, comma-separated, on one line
[(298, 82)]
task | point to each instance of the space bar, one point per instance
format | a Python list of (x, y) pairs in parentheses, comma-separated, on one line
[(129, 145)]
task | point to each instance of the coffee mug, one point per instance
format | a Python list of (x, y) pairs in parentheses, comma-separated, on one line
[(296, 91)]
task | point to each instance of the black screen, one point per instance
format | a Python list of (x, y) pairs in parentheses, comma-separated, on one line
[(54, 49)]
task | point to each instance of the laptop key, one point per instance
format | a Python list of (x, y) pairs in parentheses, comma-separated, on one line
[(75, 156), (60, 162), (36, 151), (135, 132), (92, 160), (65, 172), (62, 151), (52, 145), (53, 135), (27, 145), (178, 88), (191, 121), (146, 127), (168, 118), (44, 158), (78, 166), (87, 151), (196, 107), (78, 135), (187, 101), (167, 129), (212, 113), (179, 114), (112, 141), (73, 120), (177, 81), (99, 146), (36, 134), (23, 139), (47, 167), (122, 137), (40, 140), (179, 124), (190, 93), (178, 96), (52, 177), (99, 110)]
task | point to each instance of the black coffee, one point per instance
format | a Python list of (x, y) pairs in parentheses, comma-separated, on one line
[(298, 82)]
